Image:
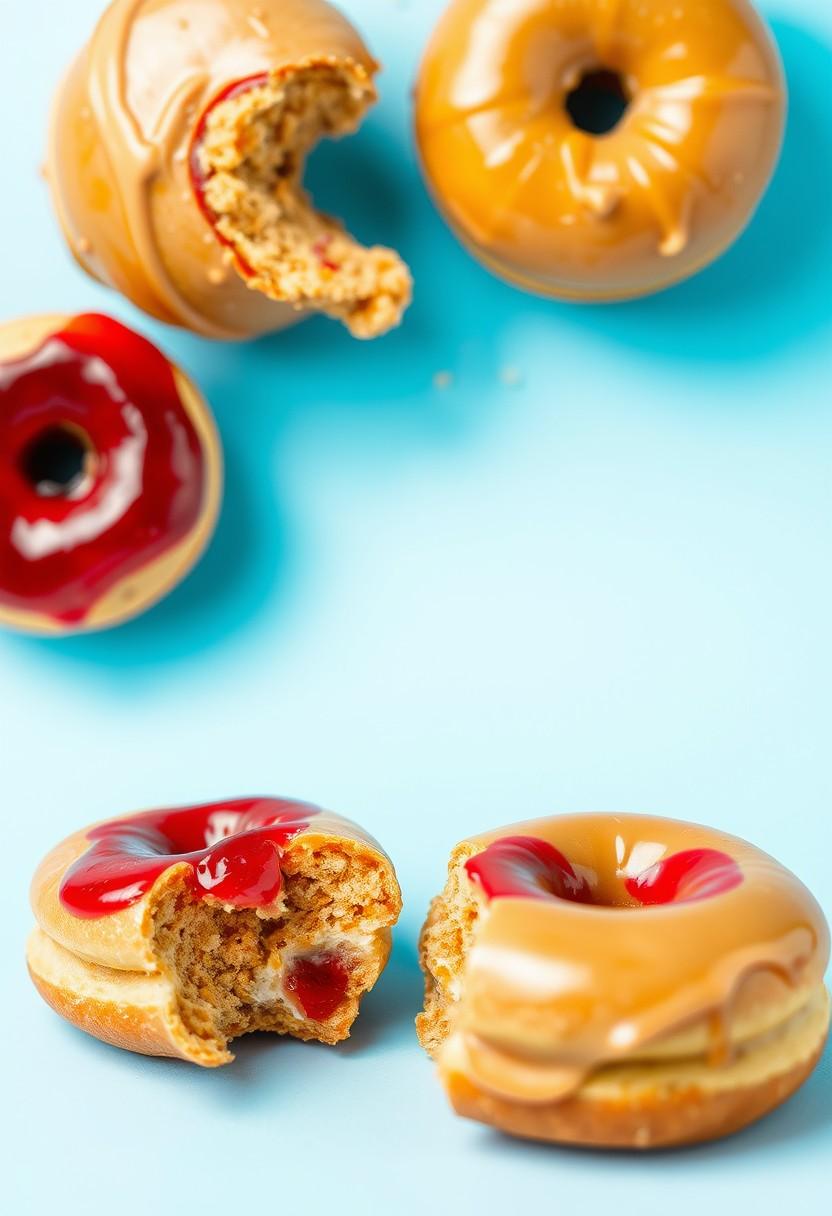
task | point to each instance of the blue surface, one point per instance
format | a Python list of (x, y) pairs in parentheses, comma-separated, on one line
[(605, 586)]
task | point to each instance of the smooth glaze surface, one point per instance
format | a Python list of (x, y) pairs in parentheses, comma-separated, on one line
[(608, 216), (574, 984), (146, 484), (123, 124)]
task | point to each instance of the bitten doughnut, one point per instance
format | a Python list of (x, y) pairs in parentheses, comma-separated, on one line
[(176, 153), (172, 932), (599, 149), (110, 474), (621, 981)]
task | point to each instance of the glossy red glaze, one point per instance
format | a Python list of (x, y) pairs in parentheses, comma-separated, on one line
[(198, 176), (524, 867), (318, 984), (233, 849), (686, 876), (144, 487)]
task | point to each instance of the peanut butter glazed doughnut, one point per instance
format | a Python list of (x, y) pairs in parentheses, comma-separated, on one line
[(177, 146), (599, 149), (172, 932), (110, 474), (622, 981)]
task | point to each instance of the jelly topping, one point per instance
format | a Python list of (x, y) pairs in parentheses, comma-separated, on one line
[(524, 867), (686, 876), (101, 471), (318, 984), (233, 850), (199, 178)]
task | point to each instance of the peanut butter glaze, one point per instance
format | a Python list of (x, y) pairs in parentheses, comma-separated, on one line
[(576, 212), (556, 989), (143, 485), (122, 127)]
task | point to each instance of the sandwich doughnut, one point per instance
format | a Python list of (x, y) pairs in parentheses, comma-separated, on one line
[(110, 474), (621, 981), (176, 152), (172, 932), (599, 149)]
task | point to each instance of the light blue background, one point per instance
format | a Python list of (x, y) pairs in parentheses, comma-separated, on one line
[(607, 586)]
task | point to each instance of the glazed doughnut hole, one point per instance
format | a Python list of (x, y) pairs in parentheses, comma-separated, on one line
[(59, 462), (598, 101)]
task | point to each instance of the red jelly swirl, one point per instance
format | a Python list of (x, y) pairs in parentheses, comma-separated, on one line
[(141, 485), (525, 867), (683, 877), (233, 848)]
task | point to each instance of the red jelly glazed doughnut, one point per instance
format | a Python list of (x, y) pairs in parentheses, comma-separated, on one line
[(110, 474), (173, 932)]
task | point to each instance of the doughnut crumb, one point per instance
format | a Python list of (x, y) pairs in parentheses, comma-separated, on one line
[(249, 163), (231, 969), (445, 943)]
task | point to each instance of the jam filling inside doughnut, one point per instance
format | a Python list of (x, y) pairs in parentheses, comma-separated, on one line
[(297, 967), (101, 472), (318, 984), (247, 162), (233, 850), (598, 102), (525, 867)]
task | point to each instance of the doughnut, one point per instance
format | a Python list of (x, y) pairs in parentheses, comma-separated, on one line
[(172, 932), (621, 981), (599, 149), (176, 153), (110, 474)]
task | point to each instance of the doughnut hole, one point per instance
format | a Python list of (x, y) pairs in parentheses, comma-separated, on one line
[(59, 462), (599, 101)]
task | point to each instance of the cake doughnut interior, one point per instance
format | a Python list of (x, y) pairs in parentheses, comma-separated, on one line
[(210, 922), (248, 159), (621, 981)]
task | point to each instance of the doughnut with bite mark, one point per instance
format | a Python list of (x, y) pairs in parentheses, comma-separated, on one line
[(599, 149), (621, 981), (110, 475), (176, 155), (172, 932)]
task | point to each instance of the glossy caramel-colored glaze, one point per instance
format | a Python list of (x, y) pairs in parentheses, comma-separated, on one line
[(575, 215), (120, 142), (556, 989)]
